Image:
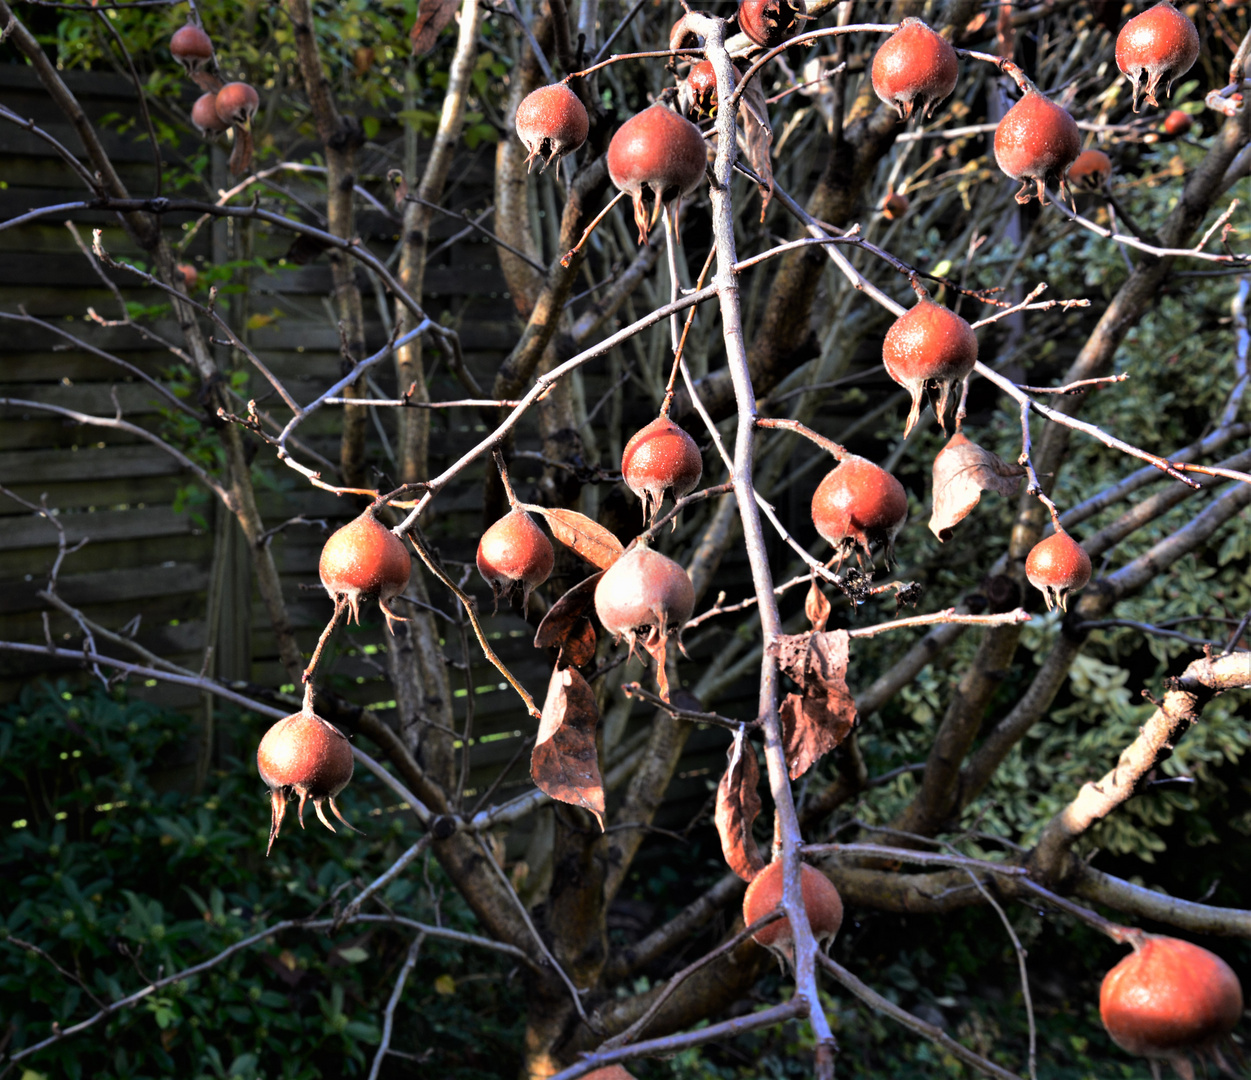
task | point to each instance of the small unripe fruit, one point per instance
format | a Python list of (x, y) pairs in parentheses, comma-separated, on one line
[(914, 70), (661, 457), (1160, 46), (204, 116), (190, 276), (1169, 996), (1036, 142), (1177, 123), (552, 119), (644, 594), (821, 902), (236, 103), (660, 153), (1092, 171), (365, 560), (768, 22), (1056, 567), (858, 505), (192, 48), (929, 346), (701, 84), (895, 206), (514, 552), (305, 756)]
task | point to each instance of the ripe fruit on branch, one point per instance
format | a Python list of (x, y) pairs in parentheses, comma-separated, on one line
[(515, 552), (644, 593), (821, 901), (929, 346), (658, 458), (1036, 141), (192, 48), (656, 152), (769, 22), (552, 119), (237, 103), (1177, 123), (305, 756), (204, 116), (1056, 567), (858, 505), (701, 87), (1092, 170), (1159, 45), (914, 70), (895, 205), (190, 276), (365, 560), (1167, 997)]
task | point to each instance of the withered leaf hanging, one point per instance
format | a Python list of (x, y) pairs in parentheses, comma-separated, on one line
[(962, 471), (822, 715), (564, 763), (567, 625), (738, 805), (577, 531), (432, 17)]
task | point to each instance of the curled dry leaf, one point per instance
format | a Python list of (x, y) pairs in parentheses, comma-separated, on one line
[(962, 471), (758, 139), (817, 607), (738, 804), (432, 17), (577, 531), (564, 763), (568, 627), (822, 715)]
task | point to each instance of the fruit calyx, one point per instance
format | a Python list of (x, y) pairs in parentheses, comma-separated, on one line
[(551, 119), (192, 48), (656, 153), (914, 70), (929, 346), (1035, 143), (822, 903), (515, 554), (307, 756), (365, 560), (1057, 566), (1160, 45), (660, 458), (859, 505)]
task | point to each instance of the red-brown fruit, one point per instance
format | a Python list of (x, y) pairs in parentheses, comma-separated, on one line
[(657, 152), (701, 84), (929, 346), (1092, 170), (305, 756), (645, 593), (769, 22), (515, 552), (365, 560), (204, 116), (858, 505), (610, 1072), (192, 48), (1036, 142), (1177, 123), (895, 205), (658, 458), (551, 120), (1169, 996), (236, 103), (821, 901), (1160, 45), (190, 276), (1056, 567), (914, 70)]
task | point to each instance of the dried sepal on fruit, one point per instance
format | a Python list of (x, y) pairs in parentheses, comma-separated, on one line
[(660, 154), (514, 554), (859, 506), (365, 560), (1158, 46), (661, 458), (1035, 143), (551, 120), (1057, 566), (929, 346), (307, 756), (822, 903), (192, 48), (914, 70)]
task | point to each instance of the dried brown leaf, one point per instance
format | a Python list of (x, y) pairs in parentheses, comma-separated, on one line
[(962, 471), (564, 617), (758, 139), (579, 646), (657, 647), (738, 805), (791, 651), (432, 17), (817, 607), (818, 719), (564, 763), (588, 538)]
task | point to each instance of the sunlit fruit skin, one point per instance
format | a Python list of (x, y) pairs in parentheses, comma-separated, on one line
[(304, 755), (236, 104), (914, 70), (190, 276), (1169, 996), (768, 22), (552, 120), (1177, 123), (660, 152), (1035, 143), (1057, 566), (191, 47), (661, 458), (821, 901), (515, 552), (929, 345), (859, 505), (895, 206), (1092, 170), (1160, 46), (644, 594), (365, 560), (204, 116)]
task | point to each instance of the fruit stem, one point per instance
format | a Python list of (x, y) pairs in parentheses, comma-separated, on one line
[(340, 606), (829, 445), (508, 487), (567, 258), (1005, 65)]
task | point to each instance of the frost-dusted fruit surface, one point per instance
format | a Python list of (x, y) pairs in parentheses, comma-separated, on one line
[(914, 70), (1035, 143)]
